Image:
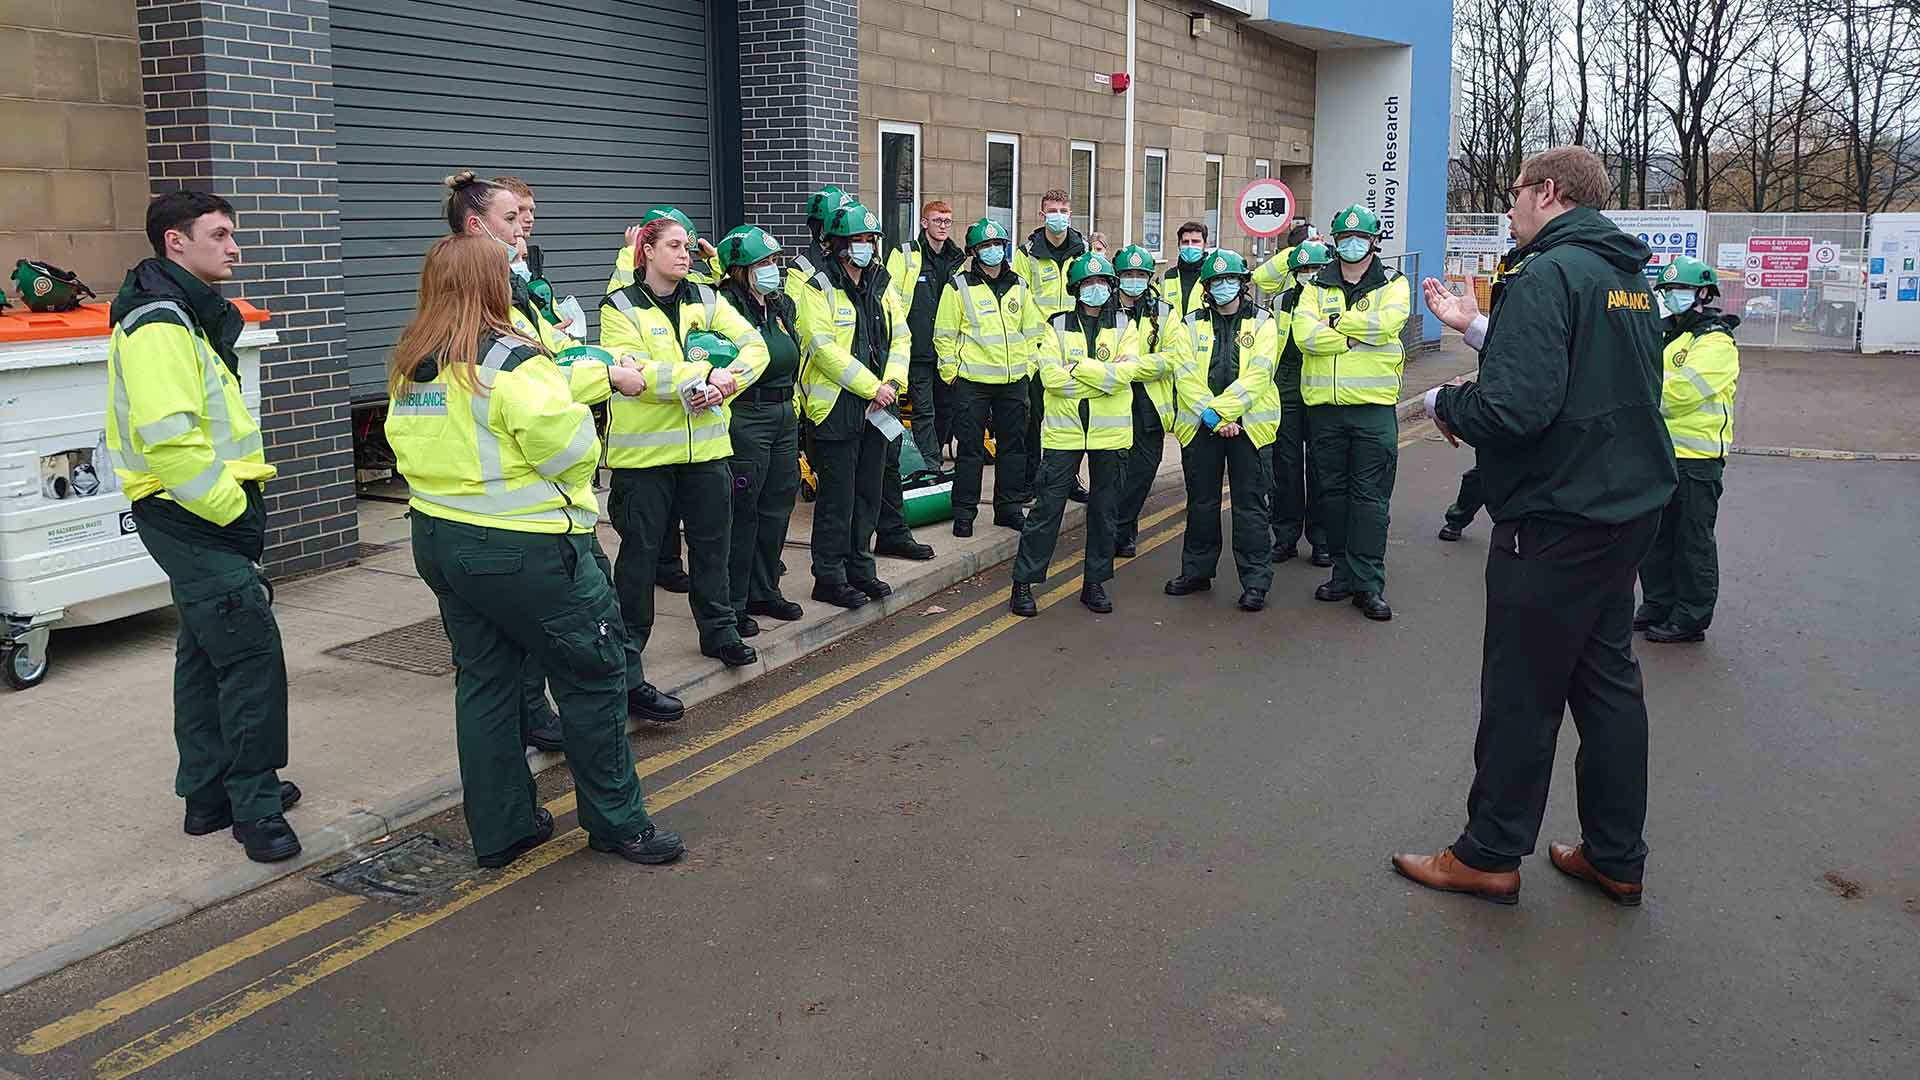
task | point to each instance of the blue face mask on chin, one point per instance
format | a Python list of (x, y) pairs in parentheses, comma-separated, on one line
[(1224, 290), (992, 254), (1192, 254)]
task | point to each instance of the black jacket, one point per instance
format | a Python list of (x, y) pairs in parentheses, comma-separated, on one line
[(1566, 413), (923, 303)]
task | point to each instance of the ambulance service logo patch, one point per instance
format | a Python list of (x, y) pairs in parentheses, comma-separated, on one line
[(697, 354), (1353, 220), (42, 286), (1219, 265), (873, 223), (1361, 305), (1672, 273), (1680, 358), (1245, 339), (1013, 306), (1104, 353)]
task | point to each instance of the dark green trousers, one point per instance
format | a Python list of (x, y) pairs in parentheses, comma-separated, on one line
[(229, 674), (766, 479), (669, 559), (1058, 470), (852, 481), (1142, 465), (891, 523), (506, 596), (1036, 411), (1296, 487), (1469, 502), (700, 496), (932, 411), (1204, 460), (977, 406), (1680, 577), (1356, 449)]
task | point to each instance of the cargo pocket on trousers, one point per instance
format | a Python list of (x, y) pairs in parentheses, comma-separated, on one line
[(490, 563), (591, 643), (229, 617)]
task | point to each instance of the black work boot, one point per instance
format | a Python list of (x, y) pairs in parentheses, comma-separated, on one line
[(1333, 590), (652, 847), (201, 821), (1373, 605), (675, 581), (649, 702), (732, 654), (270, 839), (1667, 633), (1021, 602), (544, 732), (1093, 596), (1450, 532), (1184, 585), (839, 594), (1253, 600), (542, 832)]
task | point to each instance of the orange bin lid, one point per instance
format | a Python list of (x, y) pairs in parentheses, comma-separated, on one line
[(85, 321)]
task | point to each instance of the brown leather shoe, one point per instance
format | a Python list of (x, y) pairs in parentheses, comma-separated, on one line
[(1448, 874), (1571, 860)]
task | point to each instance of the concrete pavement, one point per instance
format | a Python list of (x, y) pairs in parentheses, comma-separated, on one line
[(1150, 844)]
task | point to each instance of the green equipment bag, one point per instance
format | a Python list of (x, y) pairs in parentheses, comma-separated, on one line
[(926, 492), (45, 287)]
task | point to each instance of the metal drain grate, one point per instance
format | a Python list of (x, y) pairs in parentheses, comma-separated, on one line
[(419, 647), (368, 549), (408, 872)]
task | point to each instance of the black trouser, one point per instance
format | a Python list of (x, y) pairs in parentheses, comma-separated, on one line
[(1680, 579), (1296, 486), (1468, 502), (642, 502), (669, 559), (1004, 406), (1142, 465), (1559, 638), (1204, 460), (1058, 470), (932, 409), (850, 474), (766, 478)]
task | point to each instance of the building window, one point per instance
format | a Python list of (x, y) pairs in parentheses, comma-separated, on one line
[(1003, 180), (1262, 168), (1659, 200), (1216, 169), (1154, 221), (899, 182), (1080, 186)]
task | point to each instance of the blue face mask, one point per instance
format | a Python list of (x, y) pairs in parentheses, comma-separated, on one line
[(1191, 255), (992, 254), (1134, 286), (1096, 295), (1677, 301), (1224, 290), (766, 278), (861, 252), (1353, 248), (1057, 223)]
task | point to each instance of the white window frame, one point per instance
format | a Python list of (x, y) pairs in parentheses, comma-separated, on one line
[(897, 127), (1218, 226), (1093, 179), (1153, 154), (1002, 138), (1262, 169)]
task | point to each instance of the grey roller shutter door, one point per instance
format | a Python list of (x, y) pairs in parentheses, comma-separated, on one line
[(603, 106)]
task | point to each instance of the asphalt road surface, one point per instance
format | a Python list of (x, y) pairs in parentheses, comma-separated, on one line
[(1150, 844)]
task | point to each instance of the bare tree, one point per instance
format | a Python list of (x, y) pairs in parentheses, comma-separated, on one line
[(1874, 50), (1701, 40)]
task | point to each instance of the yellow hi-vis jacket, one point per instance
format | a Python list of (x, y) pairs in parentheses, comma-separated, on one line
[(654, 428), (1273, 277), (1045, 279), (1252, 399), (551, 338), (519, 456), (826, 319), (1702, 372), (1155, 324), (703, 272), (1102, 383), (176, 424), (984, 338), (1359, 361)]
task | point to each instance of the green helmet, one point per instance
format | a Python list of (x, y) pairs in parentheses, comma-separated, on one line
[(1356, 219), (1092, 264), (985, 231), (1133, 257), (707, 347), (1686, 271), (566, 357), (852, 219), (45, 287), (1308, 254), (1222, 263), (659, 212), (745, 246), (825, 201)]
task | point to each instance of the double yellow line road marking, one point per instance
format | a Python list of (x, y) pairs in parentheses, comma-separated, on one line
[(196, 1027)]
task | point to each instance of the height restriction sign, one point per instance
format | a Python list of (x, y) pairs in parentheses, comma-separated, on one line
[(1266, 208)]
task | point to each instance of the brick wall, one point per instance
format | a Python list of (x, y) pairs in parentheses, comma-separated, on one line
[(799, 107), (73, 170), (239, 100), (1240, 94)]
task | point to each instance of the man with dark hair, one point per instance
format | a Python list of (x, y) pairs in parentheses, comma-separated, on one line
[(188, 455), (1180, 285), (1576, 466)]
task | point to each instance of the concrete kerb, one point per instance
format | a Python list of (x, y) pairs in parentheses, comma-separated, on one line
[(322, 842)]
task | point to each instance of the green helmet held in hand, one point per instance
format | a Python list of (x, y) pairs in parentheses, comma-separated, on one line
[(852, 220), (1092, 264), (1222, 263), (1356, 219), (1688, 272), (1133, 257), (707, 347), (985, 231), (1308, 254), (745, 246)]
